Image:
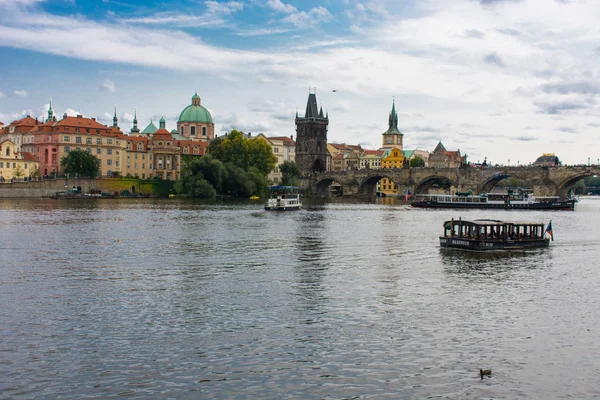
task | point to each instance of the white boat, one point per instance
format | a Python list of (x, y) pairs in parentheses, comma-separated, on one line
[(283, 198)]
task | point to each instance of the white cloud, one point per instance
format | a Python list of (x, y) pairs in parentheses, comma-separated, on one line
[(304, 19), (21, 93), (18, 2), (278, 5), (541, 66), (1, 94), (227, 8), (108, 86), (181, 20), (71, 112), (127, 117)]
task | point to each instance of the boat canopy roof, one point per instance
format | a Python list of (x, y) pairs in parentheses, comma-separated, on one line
[(490, 222), (277, 187)]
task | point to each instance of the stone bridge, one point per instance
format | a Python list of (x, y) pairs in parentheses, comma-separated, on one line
[(545, 181)]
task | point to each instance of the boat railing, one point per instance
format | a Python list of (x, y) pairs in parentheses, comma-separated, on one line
[(447, 198)]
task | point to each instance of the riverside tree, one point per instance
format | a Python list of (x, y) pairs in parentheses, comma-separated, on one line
[(205, 177), (290, 173), (82, 163), (244, 153), (417, 161)]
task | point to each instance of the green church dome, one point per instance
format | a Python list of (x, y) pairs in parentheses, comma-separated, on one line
[(195, 112)]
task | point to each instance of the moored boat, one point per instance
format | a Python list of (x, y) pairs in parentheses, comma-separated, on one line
[(283, 198), (488, 234), (522, 199)]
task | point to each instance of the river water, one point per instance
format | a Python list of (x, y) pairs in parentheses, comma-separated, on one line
[(177, 299)]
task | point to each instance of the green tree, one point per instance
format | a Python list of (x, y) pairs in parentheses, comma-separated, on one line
[(260, 155), (243, 153), (210, 169), (199, 187), (82, 163), (232, 149), (417, 161), (579, 187), (290, 172)]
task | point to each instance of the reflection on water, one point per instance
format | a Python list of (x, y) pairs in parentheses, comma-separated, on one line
[(458, 261), (184, 299)]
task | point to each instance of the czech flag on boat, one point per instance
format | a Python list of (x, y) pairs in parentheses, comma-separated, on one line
[(549, 230), (407, 195)]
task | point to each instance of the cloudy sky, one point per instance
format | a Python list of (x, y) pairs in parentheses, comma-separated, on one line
[(502, 79)]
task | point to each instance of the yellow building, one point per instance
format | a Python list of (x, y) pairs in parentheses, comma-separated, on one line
[(392, 156), (15, 164)]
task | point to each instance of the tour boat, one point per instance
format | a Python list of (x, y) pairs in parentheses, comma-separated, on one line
[(283, 198), (522, 199), (489, 234)]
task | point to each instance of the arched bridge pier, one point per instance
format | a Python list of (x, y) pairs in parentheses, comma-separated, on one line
[(545, 181)]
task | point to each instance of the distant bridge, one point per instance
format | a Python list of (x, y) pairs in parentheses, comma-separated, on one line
[(545, 181)]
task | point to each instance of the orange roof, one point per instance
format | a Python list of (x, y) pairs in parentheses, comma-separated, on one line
[(80, 122), (29, 157), (135, 140), (373, 153), (27, 121), (163, 134), (193, 143), (339, 146), (285, 139)]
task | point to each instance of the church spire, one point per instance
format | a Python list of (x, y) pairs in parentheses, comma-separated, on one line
[(393, 121), (115, 119), (135, 122), (50, 111)]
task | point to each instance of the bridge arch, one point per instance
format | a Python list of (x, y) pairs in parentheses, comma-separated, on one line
[(368, 185), (426, 184), (562, 189), (322, 186), (495, 179)]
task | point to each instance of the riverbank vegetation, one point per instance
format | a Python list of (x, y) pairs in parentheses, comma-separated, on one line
[(235, 166)]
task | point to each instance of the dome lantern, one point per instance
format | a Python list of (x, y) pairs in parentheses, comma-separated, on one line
[(195, 113)]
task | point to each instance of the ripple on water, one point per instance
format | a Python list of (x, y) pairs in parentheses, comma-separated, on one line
[(186, 300)]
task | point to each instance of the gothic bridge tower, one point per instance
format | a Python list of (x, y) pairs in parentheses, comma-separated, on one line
[(311, 138)]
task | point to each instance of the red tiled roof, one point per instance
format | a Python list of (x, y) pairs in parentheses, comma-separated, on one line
[(285, 139), (339, 146), (27, 121), (135, 140), (372, 152), (80, 122), (163, 134), (29, 156)]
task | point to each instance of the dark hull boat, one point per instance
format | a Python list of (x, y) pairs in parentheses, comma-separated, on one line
[(486, 234), (523, 199)]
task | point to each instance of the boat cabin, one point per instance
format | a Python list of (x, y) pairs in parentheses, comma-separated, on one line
[(489, 234), (283, 198), (487, 229)]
